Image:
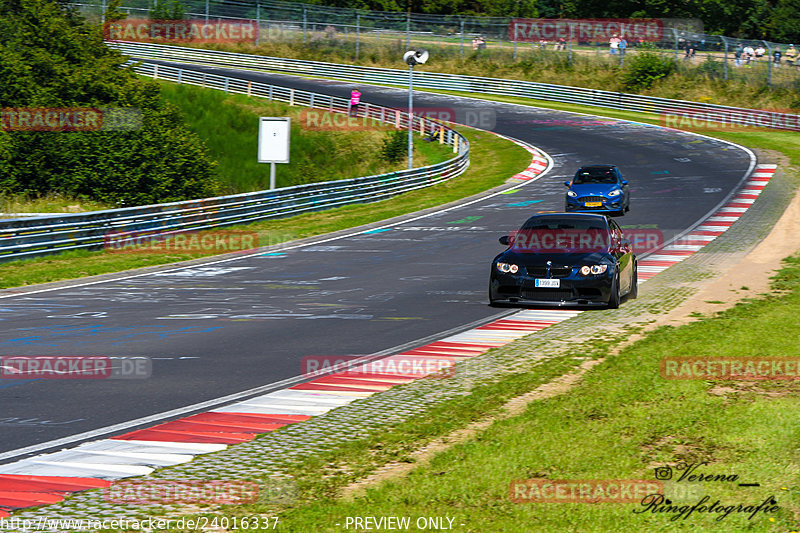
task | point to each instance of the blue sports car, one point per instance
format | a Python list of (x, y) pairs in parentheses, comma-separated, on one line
[(598, 188)]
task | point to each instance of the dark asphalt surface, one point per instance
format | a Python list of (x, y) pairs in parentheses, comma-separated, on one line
[(229, 327)]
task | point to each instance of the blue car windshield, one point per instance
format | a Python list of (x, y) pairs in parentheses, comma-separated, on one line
[(595, 175)]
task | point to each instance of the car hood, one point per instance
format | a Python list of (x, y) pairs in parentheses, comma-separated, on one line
[(557, 259), (594, 189)]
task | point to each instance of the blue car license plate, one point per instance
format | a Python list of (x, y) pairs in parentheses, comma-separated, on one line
[(548, 283)]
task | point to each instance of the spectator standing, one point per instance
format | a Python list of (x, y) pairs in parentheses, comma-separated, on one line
[(748, 54), (738, 54), (689, 50), (760, 51), (562, 44), (623, 45), (776, 57), (791, 54), (613, 44), (355, 101)]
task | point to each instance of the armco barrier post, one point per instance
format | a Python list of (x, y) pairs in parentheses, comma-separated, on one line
[(725, 67), (408, 28), (358, 33), (461, 22), (258, 22), (675, 37), (569, 45), (769, 62)]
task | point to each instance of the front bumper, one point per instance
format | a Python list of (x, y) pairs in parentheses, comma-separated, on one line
[(608, 205), (574, 290)]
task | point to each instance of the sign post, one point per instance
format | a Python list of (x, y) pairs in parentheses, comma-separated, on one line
[(273, 143)]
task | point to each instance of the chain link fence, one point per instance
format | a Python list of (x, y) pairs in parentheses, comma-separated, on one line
[(372, 33)]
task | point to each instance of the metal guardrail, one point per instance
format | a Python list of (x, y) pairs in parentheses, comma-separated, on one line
[(453, 82), (32, 237), (358, 30)]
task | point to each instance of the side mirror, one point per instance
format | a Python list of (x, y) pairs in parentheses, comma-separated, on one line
[(566, 183), (624, 182), (504, 240)]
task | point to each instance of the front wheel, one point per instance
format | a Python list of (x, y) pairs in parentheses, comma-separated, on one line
[(492, 301), (614, 298)]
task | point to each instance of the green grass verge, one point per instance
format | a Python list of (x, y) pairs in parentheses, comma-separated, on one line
[(621, 422), (494, 160), (228, 125)]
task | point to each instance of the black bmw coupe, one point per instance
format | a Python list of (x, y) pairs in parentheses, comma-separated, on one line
[(565, 259)]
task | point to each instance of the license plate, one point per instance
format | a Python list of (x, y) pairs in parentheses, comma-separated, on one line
[(594, 204), (548, 283)]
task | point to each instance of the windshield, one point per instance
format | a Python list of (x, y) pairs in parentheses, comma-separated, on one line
[(595, 175), (580, 224)]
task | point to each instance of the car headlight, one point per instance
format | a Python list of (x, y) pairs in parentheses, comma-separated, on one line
[(506, 267), (615, 192), (572, 194), (593, 269)]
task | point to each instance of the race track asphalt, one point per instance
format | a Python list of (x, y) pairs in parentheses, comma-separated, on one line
[(229, 327)]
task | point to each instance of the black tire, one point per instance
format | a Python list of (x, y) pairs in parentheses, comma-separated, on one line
[(634, 283), (492, 302), (614, 298)]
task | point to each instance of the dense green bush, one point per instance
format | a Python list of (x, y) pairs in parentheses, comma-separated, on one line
[(395, 146), (644, 69), (51, 58)]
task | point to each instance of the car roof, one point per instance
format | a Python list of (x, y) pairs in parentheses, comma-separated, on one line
[(570, 216), (597, 166)]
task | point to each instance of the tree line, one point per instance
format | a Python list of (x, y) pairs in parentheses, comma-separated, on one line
[(775, 20), (54, 67)]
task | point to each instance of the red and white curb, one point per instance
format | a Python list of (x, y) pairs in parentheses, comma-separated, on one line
[(538, 163), (710, 228), (48, 478)]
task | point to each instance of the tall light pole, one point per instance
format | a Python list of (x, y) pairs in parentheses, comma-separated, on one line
[(412, 57)]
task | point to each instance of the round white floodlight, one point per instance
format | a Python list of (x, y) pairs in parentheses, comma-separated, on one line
[(416, 57)]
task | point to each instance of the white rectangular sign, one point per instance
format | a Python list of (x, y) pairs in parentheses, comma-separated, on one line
[(273, 139)]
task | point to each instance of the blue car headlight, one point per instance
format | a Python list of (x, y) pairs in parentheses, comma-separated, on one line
[(615, 192), (572, 194)]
